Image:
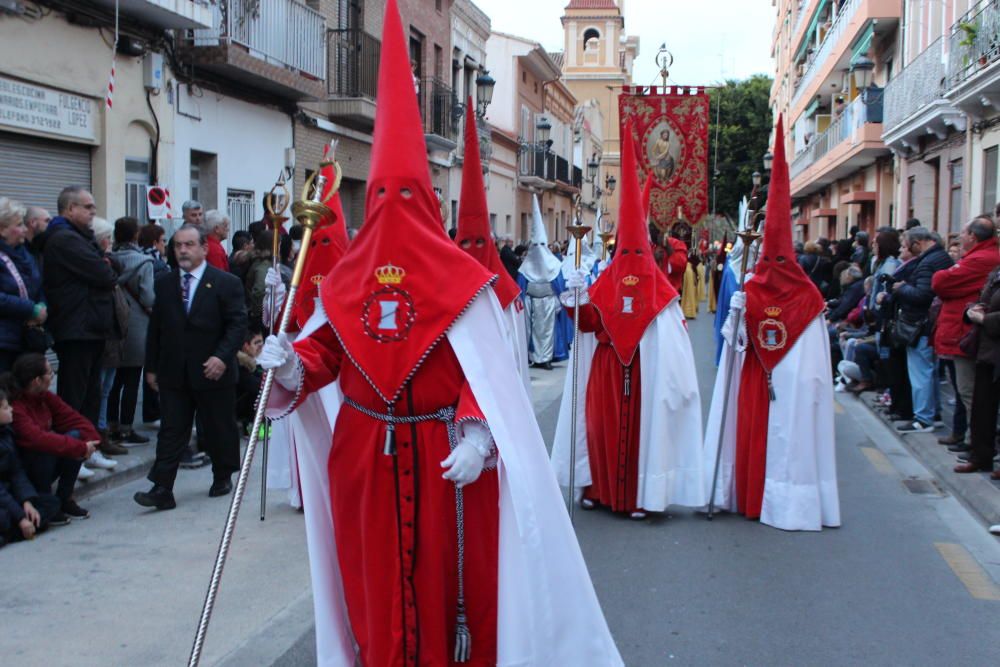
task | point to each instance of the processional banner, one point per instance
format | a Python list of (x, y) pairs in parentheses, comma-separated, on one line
[(671, 140)]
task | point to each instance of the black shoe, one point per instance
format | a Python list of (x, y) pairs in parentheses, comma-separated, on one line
[(960, 447), (220, 487), (74, 511), (59, 519), (192, 459), (134, 438), (159, 497), (965, 456)]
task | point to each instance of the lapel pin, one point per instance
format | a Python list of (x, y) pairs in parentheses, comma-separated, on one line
[(208, 285)]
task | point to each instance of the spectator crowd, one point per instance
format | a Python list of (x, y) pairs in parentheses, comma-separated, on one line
[(78, 300), (910, 311)]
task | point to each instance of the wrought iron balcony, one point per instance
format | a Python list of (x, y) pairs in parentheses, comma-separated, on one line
[(846, 128), (537, 166), (840, 25), (352, 80), (920, 83), (285, 35), (975, 43), (354, 57), (164, 14), (437, 103)]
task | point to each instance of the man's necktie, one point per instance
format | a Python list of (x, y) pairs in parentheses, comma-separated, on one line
[(186, 290)]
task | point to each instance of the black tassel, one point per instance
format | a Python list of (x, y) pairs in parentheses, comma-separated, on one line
[(463, 638), (628, 381), (770, 387), (389, 449)]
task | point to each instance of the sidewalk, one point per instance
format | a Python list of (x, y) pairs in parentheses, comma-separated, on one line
[(130, 466), (976, 490)]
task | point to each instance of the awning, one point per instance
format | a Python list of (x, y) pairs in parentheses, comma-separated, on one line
[(864, 42), (811, 30), (859, 197), (811, 109)]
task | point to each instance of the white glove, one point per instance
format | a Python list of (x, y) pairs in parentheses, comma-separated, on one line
[(738, 300), (735, 330), (466, 461), (279, 355), (276, 286), (577, 278)]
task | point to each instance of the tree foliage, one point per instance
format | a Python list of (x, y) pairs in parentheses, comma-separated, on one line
[(743, 134)]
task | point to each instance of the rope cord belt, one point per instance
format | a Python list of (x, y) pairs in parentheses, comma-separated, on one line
[(463, 638)]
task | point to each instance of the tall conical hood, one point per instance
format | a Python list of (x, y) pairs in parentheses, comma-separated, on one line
[(474, 236), (781, 300), (402, 282), (539, 265), (647, 194), (632, 291)]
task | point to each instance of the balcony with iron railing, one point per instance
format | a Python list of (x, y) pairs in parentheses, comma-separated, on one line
[(915, 100), (852, 141), (163, 14), (437, 109), (352, 78), (974, 61), (277, 46), (855, 20)]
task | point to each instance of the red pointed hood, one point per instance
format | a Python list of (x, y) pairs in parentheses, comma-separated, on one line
[(647, 194), (632, 291), (474, 235), (781, 300), (402, 282)]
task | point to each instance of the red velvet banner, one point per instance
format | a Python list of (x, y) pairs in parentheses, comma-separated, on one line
[(671, 139)]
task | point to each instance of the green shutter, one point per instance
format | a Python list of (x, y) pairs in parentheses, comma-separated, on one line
[(864, 42), (811, 30)]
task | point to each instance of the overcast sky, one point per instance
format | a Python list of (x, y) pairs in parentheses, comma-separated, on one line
[(711, 40)]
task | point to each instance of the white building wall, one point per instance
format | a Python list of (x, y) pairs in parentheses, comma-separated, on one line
[(249, 141)]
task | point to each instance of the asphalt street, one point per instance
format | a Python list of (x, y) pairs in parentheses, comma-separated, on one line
[(910, 579)]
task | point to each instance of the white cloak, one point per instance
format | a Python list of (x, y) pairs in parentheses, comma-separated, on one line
[(516, 327), (670, 457), (800, 478), (548, 612)]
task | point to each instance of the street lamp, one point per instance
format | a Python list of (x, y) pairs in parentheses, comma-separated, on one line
[(592, 166), (484, 92), (543, 129), (768, 161), (609, 184), (756, 179), (862, 69)]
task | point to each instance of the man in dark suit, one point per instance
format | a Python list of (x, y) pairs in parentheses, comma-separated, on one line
[(195, 330)]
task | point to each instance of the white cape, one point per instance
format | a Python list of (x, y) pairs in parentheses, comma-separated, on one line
[(800, 479), (670, 456), (548, 612), (516, 327)]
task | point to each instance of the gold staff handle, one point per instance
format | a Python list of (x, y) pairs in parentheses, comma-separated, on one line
[(578, 230)]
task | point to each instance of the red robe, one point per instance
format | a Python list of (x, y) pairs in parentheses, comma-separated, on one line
[(677, 261), (612, 421), (394, 516)]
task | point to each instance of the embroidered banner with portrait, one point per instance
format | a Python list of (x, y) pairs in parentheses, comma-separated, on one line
[(671, 139)]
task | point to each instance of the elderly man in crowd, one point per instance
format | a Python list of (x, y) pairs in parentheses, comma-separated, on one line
[(36, 221), (914, 296), (216, 228), (78, 282), (957, 288)]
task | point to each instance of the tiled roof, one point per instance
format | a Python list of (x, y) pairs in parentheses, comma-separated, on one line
[(591, 4), (557, 58)]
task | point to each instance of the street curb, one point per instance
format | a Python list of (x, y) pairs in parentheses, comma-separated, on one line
[(976, 490)]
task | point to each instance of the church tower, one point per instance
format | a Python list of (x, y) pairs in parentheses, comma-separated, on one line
[(597, 62)]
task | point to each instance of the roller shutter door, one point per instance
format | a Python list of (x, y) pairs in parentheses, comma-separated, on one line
[(34, 171)]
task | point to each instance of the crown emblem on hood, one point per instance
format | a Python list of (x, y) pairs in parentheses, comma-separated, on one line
[(630, 280), (772, 311), (389, 274)]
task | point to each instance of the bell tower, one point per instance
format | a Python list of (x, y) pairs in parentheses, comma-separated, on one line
[(597, 62)]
